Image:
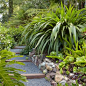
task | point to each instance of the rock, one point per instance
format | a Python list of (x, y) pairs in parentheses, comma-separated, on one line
[(47, 60), (53, 83), (58, 78), (42, 66), (66, 78), (71, 74), (70, 82), (45, 71), (54, 70), (32, 59), (39, 66), (51, 64), (63, 82), (39, 61), (36, 60), (34, 50), (49, 68), (52, 75), (31, 54), (57, 67), (48, 77), (58, 72)]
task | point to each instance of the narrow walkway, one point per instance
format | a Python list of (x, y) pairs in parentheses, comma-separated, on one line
[(30, 69)]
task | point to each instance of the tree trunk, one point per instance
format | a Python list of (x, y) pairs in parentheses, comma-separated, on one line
[(10, 8)]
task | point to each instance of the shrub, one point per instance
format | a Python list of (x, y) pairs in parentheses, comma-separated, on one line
[(53, 30)]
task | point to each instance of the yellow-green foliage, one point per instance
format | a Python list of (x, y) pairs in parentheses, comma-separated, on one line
[(5, 79)]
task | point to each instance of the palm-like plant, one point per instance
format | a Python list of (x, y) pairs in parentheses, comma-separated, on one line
[(5, 70), (53, 29)]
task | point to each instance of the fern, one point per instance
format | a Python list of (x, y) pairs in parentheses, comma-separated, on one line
[(5, 70)]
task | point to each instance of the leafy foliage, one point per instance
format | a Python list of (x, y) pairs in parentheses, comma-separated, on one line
[(5, 70), (75, 57), (6, 40), (16, 33), (53, 30)]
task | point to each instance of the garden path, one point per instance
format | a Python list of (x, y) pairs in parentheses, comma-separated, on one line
[(31, 69)]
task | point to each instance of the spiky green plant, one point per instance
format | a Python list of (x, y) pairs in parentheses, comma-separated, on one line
[(52, 30), (6, 79)]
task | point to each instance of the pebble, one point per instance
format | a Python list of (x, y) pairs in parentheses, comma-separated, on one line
[(63, 82)]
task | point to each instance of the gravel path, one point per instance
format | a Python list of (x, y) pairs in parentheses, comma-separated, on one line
[(30, 69), (21, 58), (37, 82)]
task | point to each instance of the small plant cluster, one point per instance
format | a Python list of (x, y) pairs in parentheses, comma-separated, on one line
[(6, 40), (75, 62), (16, 33), (10, 37)]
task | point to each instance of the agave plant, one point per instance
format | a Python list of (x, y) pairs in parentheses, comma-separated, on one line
[(9, 76), (53, 30)]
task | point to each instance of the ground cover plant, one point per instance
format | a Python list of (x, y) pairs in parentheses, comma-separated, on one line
[(75, 62), (51, 31)]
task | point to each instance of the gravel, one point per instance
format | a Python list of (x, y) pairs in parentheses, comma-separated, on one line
[(29, 67), (37, 82)]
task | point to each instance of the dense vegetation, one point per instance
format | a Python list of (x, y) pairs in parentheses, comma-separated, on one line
[(48, 26)]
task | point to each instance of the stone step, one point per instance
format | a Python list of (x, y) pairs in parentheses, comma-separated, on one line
[(32, 76), (19, 60), (19, 47)]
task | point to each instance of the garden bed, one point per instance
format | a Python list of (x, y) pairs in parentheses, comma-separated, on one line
[(51, 69)]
